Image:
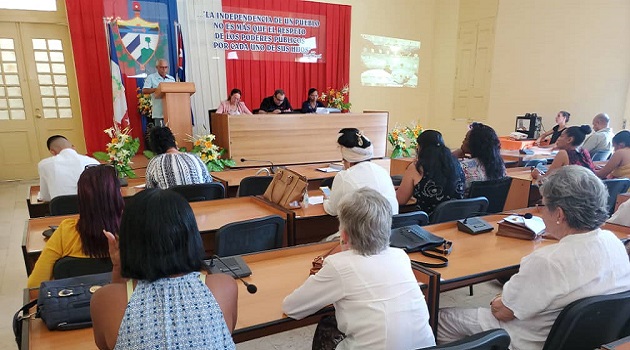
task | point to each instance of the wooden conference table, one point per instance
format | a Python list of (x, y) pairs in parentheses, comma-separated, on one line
[(277, 273), (38, 208), (210, 216)]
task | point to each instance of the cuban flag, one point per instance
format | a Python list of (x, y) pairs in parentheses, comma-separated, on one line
[(118, 88), (181, 56), (181, 61)]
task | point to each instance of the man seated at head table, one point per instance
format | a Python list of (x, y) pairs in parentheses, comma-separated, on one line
[(59, 174), (276, 104), (587, 261)]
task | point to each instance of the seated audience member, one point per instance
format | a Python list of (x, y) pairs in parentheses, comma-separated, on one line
[(561, 123), (356, 152), (170, 167), (484, 147), (378, 303), (233, 105), (570, 151), (58, 175), (434, 177), (600, 140), (100, 207), (278, 103), (618, 166), (165, 303), (587, 261), (311, 105)]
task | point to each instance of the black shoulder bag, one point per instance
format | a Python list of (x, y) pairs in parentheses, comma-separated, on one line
[(414, 238)]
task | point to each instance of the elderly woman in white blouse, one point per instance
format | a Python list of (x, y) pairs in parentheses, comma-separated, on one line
[(378, 303)]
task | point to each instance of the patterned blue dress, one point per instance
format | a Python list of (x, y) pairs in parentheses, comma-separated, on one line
[(173, 313)]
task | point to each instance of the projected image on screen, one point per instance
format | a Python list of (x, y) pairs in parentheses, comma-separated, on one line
[(389, 61)]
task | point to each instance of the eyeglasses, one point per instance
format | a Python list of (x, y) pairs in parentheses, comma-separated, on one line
[(97, 165)]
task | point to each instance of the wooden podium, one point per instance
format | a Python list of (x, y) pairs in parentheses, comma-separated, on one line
[(176, 107)]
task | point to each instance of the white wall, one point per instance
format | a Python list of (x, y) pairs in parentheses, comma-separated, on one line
[(548, 56)]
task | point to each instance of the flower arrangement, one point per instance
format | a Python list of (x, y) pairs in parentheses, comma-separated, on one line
[(120, 150), (144, 103), (398, 139), (210, 153), (336, 98)]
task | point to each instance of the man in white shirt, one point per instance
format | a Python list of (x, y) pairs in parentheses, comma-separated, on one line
[(150, 85), (600, 140), (59, 174)]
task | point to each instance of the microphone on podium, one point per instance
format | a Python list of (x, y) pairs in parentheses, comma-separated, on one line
[(273, 167), (251, 288)]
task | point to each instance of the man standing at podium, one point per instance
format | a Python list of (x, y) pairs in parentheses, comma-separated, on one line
[(150, 85)]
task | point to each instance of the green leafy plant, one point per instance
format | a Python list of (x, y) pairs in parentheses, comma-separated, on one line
[(398, 137), (120, 150), (210, 153)]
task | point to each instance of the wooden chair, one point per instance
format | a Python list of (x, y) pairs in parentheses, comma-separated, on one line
[(201, 192), (250, 236)]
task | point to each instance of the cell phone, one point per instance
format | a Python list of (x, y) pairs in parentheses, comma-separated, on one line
[(326, 190), (54, 227)]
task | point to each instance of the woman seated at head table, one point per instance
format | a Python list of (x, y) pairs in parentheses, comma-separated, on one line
[(484, 147), (233, 105), (100, 207), (435, 177), (618, 166), (356, 152), (570, 151), (378, 303), (562, 118), (587, 261), (170, 167), (311, 105), (165, 301)]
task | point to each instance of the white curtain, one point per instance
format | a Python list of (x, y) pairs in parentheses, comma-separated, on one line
[(205, 66)]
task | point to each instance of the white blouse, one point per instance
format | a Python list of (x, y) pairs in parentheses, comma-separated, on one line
[(378, 303), (364, 174)]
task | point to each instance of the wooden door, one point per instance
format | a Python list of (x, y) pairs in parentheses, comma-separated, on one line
[(466, 49), (38, 95)]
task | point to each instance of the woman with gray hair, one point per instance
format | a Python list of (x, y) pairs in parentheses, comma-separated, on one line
[(378, 303), (356, 153), (587, 261)]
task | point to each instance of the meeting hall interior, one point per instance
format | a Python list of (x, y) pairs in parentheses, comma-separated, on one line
[(488, 139)]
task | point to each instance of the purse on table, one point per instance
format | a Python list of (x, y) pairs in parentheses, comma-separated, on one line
[(414, 238), (64, 304), (286, 187)]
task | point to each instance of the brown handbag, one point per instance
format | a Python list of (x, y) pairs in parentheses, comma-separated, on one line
[(287, 186)]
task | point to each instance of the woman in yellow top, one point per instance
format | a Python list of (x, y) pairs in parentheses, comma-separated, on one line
[(618, 166), (100, 207)]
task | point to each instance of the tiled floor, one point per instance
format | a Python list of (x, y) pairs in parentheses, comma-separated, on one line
[(13, 214)]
